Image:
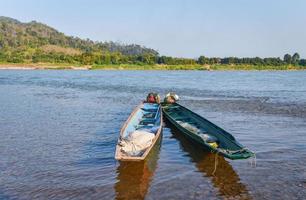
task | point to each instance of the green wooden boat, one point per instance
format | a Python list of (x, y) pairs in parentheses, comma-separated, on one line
[(204, 132)]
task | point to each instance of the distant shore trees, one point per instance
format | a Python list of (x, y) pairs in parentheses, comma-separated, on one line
[(287, 60), (29, 55)]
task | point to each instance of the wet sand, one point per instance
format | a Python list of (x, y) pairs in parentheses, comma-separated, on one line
[(40, 67)]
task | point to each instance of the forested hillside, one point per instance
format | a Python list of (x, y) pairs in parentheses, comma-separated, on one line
[(37, 42)]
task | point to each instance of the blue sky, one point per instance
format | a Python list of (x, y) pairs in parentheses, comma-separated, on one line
[(182, 28)]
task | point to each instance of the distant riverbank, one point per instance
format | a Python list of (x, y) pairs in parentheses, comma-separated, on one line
[(33, 66), (63, 66)]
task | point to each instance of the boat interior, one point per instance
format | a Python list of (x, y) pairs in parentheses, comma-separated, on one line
[(202, 126), (147, 117)]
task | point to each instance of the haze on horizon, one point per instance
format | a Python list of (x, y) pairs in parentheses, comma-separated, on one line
[(178, 28)]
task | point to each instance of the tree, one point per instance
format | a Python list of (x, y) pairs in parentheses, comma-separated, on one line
[(202, 60), (287, 58), (302, 62), (295, 59)]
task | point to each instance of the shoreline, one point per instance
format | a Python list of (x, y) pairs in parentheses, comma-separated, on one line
[(27, 66), (120, 67)]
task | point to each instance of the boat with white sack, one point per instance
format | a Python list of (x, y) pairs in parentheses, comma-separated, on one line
[(140, 132)]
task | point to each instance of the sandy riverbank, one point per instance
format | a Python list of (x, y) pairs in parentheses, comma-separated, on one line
[(41, 66)]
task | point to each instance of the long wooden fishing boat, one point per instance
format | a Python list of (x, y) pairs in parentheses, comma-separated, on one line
[(204, 132), (146, 118)]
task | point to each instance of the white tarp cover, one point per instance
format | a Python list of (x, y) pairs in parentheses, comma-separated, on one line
[(137, 142), (189, 127), (208, 138)]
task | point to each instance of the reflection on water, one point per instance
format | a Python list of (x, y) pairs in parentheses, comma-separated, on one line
[(223, 176), (134, 178)]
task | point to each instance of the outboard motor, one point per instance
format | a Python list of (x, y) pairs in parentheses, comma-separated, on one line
[(171, 97), (153, 98)]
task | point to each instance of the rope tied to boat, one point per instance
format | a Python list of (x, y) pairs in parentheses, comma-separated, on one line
[(216, 163)]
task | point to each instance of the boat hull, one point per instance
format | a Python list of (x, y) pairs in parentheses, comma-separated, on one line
[(238, 151)]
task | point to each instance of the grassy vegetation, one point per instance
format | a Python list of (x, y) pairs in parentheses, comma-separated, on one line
[(216, 67)]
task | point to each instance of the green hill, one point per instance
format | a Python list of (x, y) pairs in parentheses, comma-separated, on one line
[(34, 41), (16, 34)]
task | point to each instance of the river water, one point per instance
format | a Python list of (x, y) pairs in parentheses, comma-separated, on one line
[(58, 132)]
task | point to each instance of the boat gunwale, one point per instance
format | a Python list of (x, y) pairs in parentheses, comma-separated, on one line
[(119, 155)]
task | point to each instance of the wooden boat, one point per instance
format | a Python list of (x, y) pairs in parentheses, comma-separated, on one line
[(196, 127), (146, 116)]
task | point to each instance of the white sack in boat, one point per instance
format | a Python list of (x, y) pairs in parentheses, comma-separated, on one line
[(137, 142), (208, 138), (189, 127)]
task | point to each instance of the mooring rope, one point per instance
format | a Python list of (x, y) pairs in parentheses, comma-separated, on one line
[(216, 163)]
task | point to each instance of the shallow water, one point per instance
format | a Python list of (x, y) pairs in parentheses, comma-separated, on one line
[(58, 132)]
